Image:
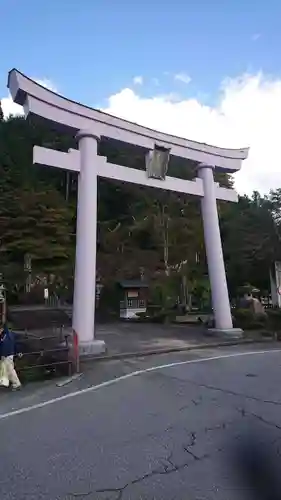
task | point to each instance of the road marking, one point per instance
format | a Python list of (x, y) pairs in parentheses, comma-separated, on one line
[(130, 375)]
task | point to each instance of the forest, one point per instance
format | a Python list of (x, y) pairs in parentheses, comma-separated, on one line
[(141, 232)]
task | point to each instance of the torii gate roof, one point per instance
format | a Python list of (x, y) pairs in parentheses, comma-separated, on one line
[(72, 116)]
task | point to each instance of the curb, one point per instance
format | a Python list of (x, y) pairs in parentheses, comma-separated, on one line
[(151, 352)]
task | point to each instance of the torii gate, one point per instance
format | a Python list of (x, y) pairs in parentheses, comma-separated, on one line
[(89, 125)]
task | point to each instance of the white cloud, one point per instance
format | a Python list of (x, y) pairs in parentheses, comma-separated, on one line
[(138, 80), (48, 84), (10, 108), (248, 113), (183, 77)]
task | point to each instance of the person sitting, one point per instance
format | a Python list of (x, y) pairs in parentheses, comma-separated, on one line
[(8, 350)]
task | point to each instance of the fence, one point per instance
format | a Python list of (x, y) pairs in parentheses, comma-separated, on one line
[(47, 355)]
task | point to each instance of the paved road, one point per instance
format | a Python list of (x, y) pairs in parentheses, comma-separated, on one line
[(162, 434)]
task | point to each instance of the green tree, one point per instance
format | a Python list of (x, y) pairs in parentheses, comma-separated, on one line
[(251, 237), (36, 223)]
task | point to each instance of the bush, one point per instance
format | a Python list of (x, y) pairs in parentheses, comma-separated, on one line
[(141, 317), (157, 316), (248, 320), (243, 317), (274, 319), (164, 316)]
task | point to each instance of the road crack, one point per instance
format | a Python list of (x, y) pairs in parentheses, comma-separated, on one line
[(246, 413), (224, 390), (166, 467)]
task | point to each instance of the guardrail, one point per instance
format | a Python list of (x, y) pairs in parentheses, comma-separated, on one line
[(44, 356)]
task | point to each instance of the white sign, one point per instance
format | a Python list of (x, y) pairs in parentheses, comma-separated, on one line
[(46, 293)]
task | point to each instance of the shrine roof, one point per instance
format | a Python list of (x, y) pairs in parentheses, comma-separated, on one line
[(133, 284)]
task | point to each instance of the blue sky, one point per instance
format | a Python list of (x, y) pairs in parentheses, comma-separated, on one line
[(93, 48), (91, 51)]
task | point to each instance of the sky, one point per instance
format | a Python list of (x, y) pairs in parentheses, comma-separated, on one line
[(206, 70)]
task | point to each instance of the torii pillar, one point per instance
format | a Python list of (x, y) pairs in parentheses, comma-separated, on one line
[(213, 245), (86, 242)]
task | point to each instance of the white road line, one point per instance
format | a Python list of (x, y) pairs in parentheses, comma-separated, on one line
[(130, 375)]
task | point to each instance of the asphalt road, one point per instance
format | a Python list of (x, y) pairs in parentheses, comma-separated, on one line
[(163, 434)]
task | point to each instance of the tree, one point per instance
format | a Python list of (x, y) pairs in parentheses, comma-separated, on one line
[(250, 231), (140, 230), (1, 113), (35, 223)]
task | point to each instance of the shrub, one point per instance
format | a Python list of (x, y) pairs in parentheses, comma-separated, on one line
[(248, 320), (243, 317), (274, 319), (141, 317), (157, 316)]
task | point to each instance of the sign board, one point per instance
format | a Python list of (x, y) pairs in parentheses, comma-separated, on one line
[(46, 293)]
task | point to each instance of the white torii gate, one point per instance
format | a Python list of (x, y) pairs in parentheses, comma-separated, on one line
[(89, 125)]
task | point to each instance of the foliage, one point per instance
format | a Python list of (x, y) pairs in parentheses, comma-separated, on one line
[(156, 316), (248, 320), (36, 223), (141, 231), (201, 293), (274, 320), (251, 238), (35, 218)]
